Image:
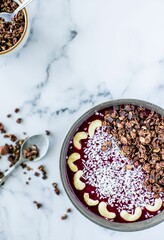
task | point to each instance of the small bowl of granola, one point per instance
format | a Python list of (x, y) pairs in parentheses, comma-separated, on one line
[(112, 164), (13, 35)]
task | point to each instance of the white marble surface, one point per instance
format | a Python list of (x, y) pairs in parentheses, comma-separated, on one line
[(79, 54)]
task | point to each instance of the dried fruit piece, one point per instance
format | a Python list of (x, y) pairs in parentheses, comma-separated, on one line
[(79, 185), (157, 205), (72, 158), (78, 137), (102, 208), (89, 201), (93, 125), (131, 217)]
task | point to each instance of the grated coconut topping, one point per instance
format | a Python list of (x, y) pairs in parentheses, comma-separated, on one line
[(105, 170)]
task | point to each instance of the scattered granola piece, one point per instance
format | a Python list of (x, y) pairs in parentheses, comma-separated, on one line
[(56, 189), (2, 128), (1, 174), (64, 217), (12, 137), (48, 132), (19, 120), (38, 205), (17, 110), (37, 174), (69, 210), (4, 149), (42, 169)]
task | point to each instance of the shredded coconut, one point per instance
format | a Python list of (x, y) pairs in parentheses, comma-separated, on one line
[(105, 170)]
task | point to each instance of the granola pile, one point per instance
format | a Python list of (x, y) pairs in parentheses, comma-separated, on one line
[(140, 134), (10, 32)]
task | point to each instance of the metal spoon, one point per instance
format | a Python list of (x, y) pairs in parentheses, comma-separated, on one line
[(41, 141), (9, 16)]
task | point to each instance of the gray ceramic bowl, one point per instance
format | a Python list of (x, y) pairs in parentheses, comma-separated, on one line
[(135, 226)]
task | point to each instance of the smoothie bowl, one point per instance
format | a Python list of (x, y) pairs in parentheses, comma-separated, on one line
[(112, 164)]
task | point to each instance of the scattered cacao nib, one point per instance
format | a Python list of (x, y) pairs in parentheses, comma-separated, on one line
[(1, 175), (14, 151), (17, 110), (69, 210), (4, 149), (2, 128), (29, 178), (19, 120), (64, 217), (37, 174), (48, 132), (140, 136), (44, 177), (29, 168), (23, 165), (38, 205), (9, 115), (56, 189), (11, 159), (44, 173), (12, 137), (31, 152), (27, 183)]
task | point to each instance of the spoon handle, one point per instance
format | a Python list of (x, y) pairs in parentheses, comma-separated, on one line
[(21, 6), (9, 171)]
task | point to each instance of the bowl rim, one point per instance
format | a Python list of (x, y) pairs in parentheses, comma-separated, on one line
[(23, 34), (125, 227)]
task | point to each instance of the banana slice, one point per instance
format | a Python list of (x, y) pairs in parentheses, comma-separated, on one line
[(72, 158), (102, 208), (93, 125), (78, 137), (79, 185), (131, 217), (157, 205), (89, 201)]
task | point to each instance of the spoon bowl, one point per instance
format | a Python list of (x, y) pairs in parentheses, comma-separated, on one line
[(42, 143), (8, 17)]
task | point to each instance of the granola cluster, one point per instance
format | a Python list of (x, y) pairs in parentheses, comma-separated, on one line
[(140, 134)]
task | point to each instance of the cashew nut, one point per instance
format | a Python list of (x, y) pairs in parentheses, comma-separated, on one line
[(71, 159), (131, 217), (79, 185), (102, 208), (89, 201), (78, 137), (93, 125), (157, 205)]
